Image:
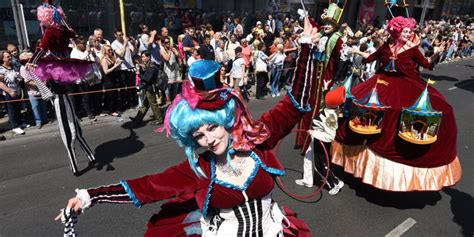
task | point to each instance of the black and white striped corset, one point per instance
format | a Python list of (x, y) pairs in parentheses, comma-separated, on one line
[(255, 217)]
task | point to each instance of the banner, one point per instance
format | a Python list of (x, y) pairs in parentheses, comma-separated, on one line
[(367, 11)]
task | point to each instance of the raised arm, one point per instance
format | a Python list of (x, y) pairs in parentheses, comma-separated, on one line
[(121, 52), (421, 60), (368, 58), (165, 55), (302, 80), (427, 63), (289, 111), (105, 66)]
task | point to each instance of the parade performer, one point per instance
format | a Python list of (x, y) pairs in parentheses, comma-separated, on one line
[(384, 160), (51, 64), (327, 57), (226, 190)]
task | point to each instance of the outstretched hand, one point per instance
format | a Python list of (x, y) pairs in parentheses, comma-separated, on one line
[(309, 29), (73, 203)]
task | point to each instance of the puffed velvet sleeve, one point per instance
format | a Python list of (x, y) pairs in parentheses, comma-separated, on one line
[(377, 54), (302, 79), (173, 182), (280, 121), (289, 111), (420, 59)]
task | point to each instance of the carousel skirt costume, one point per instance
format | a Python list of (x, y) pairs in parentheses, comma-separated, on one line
[(385, 160), (55, 68), (204, 205)]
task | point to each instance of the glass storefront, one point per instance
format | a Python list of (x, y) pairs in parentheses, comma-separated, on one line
[(85, 16)]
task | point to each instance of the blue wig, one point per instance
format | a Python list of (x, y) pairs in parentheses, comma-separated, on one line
[(184, 120)]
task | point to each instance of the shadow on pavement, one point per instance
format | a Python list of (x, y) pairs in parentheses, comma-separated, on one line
[(466, 85), (462, 206), (106, 153), (438, 77), (399, 200)]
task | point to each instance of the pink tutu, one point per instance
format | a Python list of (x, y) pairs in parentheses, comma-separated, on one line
[(63, 70)]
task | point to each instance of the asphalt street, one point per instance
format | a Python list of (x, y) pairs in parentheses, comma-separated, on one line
[(36, 181)]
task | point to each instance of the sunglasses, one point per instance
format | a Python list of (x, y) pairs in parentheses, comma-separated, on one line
[(167, 42)]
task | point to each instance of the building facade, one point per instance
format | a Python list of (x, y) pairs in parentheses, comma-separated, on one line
[(86, 15)]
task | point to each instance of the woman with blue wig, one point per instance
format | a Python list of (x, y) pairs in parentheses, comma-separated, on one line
[(226, 190)]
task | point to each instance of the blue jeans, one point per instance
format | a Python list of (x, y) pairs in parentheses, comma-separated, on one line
[(14, 111), (39, 109), (276, 73), (467, 51), (450, 53)]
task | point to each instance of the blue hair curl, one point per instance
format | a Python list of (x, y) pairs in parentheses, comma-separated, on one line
[(184, 121)]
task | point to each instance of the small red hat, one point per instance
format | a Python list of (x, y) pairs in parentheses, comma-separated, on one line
[(335, 97)]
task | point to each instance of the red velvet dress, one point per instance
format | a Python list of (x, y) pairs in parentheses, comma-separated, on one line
[(192, 194), (387, 161)]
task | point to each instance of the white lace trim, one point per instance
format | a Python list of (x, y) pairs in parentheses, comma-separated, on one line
[(85, 198)]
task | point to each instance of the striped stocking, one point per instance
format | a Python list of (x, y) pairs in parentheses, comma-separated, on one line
[(69, 219)]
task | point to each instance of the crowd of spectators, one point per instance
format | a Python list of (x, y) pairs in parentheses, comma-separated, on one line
[(257, 56)]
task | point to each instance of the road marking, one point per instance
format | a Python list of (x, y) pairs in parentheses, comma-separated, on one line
[(453, 88), (402, 228)]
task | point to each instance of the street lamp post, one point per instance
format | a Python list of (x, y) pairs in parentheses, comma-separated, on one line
[(423, 12), (23, 26), (16, 18), (122, 18)]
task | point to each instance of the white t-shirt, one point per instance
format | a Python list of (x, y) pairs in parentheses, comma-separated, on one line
[(191, 60), (11, 79), (237, 68), (278, 59), (143, 42), (128, 63), (77, 54), (230, 49)]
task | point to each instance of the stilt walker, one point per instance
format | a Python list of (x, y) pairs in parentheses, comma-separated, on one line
[(327, 56), (412, 145), (51, 64)]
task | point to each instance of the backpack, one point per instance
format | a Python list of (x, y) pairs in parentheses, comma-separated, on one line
[(161, 80)]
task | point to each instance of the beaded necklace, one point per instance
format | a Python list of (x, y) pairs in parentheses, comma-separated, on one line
[(227, 168)]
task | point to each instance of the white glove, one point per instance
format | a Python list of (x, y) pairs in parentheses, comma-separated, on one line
[(324, 128), (302, 13)]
